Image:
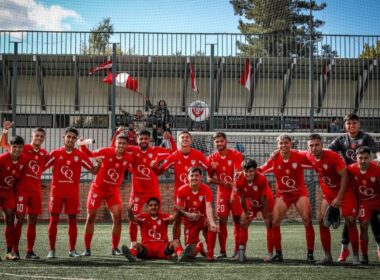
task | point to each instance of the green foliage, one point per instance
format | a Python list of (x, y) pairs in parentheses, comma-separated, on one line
[(371, 51), (277, 27)]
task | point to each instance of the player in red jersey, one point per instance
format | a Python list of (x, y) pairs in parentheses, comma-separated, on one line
[(365, 179), (67, 163), (182, 159), (155, 243), (106, 186), (256, 196), (28, 188), (224, 163), (11, 166), (332, 175), (144, 174), (194, 202), (287, 167)]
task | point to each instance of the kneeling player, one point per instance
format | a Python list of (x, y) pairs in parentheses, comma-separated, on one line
[(365, 178), (256, 196), (154, 234), (194, 202)]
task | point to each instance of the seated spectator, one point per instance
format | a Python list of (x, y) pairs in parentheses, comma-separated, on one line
[(161, 135), (160, 113), (139, 120)]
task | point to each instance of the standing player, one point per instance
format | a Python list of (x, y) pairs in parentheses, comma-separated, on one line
[(256, 196), (194, 202), (155, 243), (11, 165), (365, 178), (287, 167), (28, 188), (346, 145), (333, 179), (106, 186), (183, 159), (144, 176), (224, 163), (67, 163)]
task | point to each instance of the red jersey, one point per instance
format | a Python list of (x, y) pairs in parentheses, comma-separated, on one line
[(10, 171), (112, 169), (66, 171), (182, 163), (31, 177), (327, 168), (226, 167), (254, 191), (288, 173), (194, 202), (367, 184), (153, 229)]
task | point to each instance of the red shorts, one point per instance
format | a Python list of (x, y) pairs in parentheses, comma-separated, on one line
[(155, 250), (253, 211), (292, 197), (138, 200), (29, 202), (95, 198), (192, 230), (224, 206), (365, 211), (349, 204), (7, 200), (71, 205)]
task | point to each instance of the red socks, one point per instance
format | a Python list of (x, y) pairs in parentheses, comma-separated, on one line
[(30, 237), (211, 239), (222, 236), (310, 236), (115, 241), (236, 236), (52, 231), (17, 235), (87, 240), (325, 236), (73, 233), (243, 236), (277, 238), (133, 229)]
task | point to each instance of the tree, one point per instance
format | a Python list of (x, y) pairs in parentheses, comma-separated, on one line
[(99, 41), (371, 51), (327, 52), (277, 27)]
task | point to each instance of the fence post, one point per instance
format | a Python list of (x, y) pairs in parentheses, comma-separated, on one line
[(311, 70), (113, 90), (212, 97), (14, 86)]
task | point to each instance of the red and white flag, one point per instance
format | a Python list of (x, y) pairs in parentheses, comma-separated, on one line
[(245, 79), (104, 66), (192, 76), (122, 80)]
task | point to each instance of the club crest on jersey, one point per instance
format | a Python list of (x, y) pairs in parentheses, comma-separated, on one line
[(294, 165), (137, 199), (94, 195), (41, 154), (279, 167), (158, 222), (200, 197), (325, 166), (373, 179), (192, 162), (20, 198), (150, 155), (229, 162), (76, 158), (255, 188)]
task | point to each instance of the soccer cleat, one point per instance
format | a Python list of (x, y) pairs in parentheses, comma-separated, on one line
[(327, 260), (10, 257), (74, 254), (364, 259), (116, 252), (126, 253), (310, 258), (201, 249), (268, 257), (221, 255), (185, 253), (235, 255), (16, 256), (344, 255), (277, 257), (355, 260), (51, 255), (86, 253), (241, 254), (31, 256)]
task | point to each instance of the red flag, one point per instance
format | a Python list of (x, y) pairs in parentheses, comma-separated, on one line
[(103, 66), (122, 80), (192, 76), (245, 79), (326, 70)]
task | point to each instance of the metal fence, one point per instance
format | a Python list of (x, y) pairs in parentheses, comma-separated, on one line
[(45, 81)]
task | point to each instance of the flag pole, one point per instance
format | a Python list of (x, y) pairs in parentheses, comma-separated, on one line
[(113, 90)]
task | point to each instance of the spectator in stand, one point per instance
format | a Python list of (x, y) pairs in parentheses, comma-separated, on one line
[(139, 120), (334, 126), (160, 112), (159, 138)]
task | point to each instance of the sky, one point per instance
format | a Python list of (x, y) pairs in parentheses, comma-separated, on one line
[(195, 16)]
